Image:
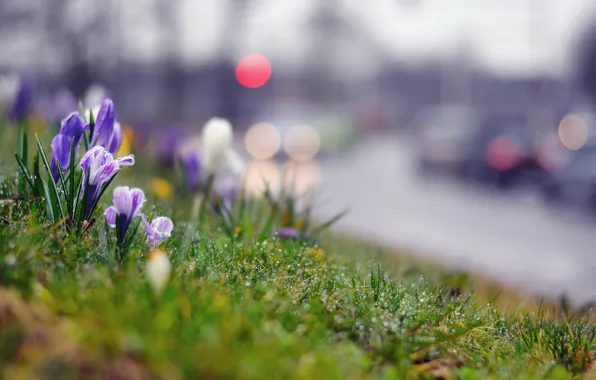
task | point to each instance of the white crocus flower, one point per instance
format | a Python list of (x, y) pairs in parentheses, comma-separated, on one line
[(93, 110), (95, 94), (158, 270), (217, 138)]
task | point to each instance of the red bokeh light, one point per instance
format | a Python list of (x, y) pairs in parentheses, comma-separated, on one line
[(502, 153), (253, 71)]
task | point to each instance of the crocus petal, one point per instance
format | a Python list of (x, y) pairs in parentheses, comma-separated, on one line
[(192, 167), (60, 152), (94, 158), (104, 123), (289, 233), (163, 225), (110, 215), (138, 199), (72, 126), (117, 138), (126, 160), (159, 230), (104, 174), (216, 138), (123, 200), (158, 270)]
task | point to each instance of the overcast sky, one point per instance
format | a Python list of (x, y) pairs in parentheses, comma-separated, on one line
[(505, 36), (509, 36)]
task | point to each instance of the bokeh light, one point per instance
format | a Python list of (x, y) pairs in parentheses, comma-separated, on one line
[(260, 175), (301, 177), (253, 71), (302, 142), (573, 132), (262, 141)]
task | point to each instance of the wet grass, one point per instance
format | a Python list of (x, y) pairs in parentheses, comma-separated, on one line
[(254, 306)]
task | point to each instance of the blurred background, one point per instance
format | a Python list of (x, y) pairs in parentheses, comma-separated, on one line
[(460, 130)]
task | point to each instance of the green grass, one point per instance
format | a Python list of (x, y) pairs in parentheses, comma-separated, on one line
[(256, 307)]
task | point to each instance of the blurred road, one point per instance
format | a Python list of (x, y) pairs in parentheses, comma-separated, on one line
[(510, 237)]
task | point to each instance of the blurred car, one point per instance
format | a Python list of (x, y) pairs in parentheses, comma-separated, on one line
[(575, 183), (506, 150), (494, 150), (443, 139)]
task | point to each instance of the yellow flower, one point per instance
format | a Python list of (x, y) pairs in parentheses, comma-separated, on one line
[(127, 141), (317, 253), (162, 188)]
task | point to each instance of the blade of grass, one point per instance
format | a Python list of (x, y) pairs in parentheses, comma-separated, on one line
[(81, 209), (37, 180), (71, 179), (49, 207), (64, 187), (24, 156), (24, 172), (320, 228), (52, 186)]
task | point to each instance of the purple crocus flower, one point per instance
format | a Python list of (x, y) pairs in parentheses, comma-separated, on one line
[(127, 204), (289, 233), (23, 100), (117, 138), (192, 169), (159, 230), (60, 152), (105, 117), (72, 127), (107, 132), (101, 167)]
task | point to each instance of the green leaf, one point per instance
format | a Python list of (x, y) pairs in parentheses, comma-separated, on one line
[(206, 198), (91, 126), (24, 147), (23, 155), (24, 171), (110, 254), (37, 180), (130, 234), (71, 177), (81, 206), (49, 206), (64, 187), (119, 241), (57, 205)]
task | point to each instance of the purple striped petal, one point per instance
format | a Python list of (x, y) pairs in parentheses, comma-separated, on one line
[(104, 123), (110, 215), (126, 160), (73, 126), (138, 199), (61, 152), (159, 230), (117, 138), (123, 200), (104, 174)]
